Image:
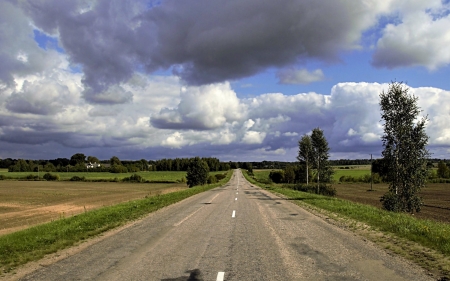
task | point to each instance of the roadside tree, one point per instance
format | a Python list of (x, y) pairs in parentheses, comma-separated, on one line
[(405, 152), (320, 155), (305, 154), (197, 172)]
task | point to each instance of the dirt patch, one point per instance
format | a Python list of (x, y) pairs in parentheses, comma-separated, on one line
[(436, 197), (28, 203)]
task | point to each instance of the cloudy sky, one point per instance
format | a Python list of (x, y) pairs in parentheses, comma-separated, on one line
[(241, 80)]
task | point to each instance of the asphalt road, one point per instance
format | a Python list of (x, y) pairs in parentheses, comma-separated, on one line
[(234, 232)]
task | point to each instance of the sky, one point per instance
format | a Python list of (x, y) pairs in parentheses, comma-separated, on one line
[(240, 80)]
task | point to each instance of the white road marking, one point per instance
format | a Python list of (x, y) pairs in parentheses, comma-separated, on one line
[(237, 192), (234, 214), (220, 276), (235, 198)]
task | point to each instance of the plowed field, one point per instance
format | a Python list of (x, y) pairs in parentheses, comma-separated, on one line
[(27, 203), (436, 197)]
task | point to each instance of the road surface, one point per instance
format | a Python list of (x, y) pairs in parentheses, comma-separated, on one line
[(234, 232)]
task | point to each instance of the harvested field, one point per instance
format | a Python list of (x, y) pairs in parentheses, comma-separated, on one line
[(27, 203), (436, 197)]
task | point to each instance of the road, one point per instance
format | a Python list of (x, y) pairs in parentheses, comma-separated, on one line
[(234, 232)]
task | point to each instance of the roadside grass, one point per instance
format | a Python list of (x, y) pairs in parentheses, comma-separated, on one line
[(427, 233), (34, 243), (150, 176)]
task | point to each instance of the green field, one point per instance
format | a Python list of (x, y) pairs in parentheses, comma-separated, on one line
[(154, 176), (339, 171)]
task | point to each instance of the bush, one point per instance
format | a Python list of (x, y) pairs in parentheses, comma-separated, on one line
[(77, 178), (118, 169), (133, 178), (212, 179), (390, 202), (277, 176), (197, 172), (324, 189), (32, 177), (220, 177), (50, 177), (2, 177)]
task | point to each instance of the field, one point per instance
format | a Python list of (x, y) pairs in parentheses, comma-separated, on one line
[(436, 196), (158, 176), (27, 203)]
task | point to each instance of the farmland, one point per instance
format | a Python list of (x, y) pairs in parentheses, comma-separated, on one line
[(27, 203), (436, 196)]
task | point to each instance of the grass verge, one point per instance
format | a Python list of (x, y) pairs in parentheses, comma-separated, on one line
[(424, 241), (34, 243)]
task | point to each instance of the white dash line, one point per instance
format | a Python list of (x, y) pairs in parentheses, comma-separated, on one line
[(220, 276), (234, 214), (235, 198)]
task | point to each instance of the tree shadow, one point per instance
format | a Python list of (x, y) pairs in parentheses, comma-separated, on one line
[(194, 275)]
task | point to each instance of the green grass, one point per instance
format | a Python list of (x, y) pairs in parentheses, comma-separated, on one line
[(33, 243), (427, 233), (338, 173), (153, 176)]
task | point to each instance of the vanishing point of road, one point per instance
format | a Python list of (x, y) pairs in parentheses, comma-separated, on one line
[(234, 232)]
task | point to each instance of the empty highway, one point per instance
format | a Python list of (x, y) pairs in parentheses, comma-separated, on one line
[(234, 232)]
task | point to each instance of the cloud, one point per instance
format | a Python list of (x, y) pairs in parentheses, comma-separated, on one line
[(301, 76), (420, 39), (202, 108), (111, 40)]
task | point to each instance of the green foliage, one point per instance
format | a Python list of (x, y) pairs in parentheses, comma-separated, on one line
[(133, 178), (325, 189), (220, 177), (211, 179), (115, 161), (77, 178), (277, 176), (404, 142), (305, 154), (197, 172), (118, 169), (324, 171), (77, 158), (443, 171), (50, 177), (364, 178)]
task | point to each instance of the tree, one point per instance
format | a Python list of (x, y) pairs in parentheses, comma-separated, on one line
[(442, 170), (405, 152), (197, 172), (77, 158), (305, 153), (93, 159), (115, 161), (320, 157)]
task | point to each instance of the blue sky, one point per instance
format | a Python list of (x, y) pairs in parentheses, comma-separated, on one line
[(241, 80)]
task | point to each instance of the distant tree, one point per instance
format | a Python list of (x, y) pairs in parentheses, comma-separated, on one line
[(49, 167), (115, 161), (197, 172), (405, 152), (305, 153), (77, 158), (144, 165), (320, 155), (93, 159), (20, 166), (443, 171)]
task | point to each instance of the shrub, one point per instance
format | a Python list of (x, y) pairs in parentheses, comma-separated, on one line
[(133, 178), (212, 179), (220, 177), (324, 189), (31, 177), (50, 177), (77, 178), (2, 177), (390, 202), (277, 176), (118, 169)]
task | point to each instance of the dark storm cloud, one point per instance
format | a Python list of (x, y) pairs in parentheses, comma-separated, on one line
[(201, 41)]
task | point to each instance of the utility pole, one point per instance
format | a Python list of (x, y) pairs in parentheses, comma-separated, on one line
[(371, 174)]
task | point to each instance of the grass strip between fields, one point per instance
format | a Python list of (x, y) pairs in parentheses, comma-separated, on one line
[(34, 243), (428, 233)]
